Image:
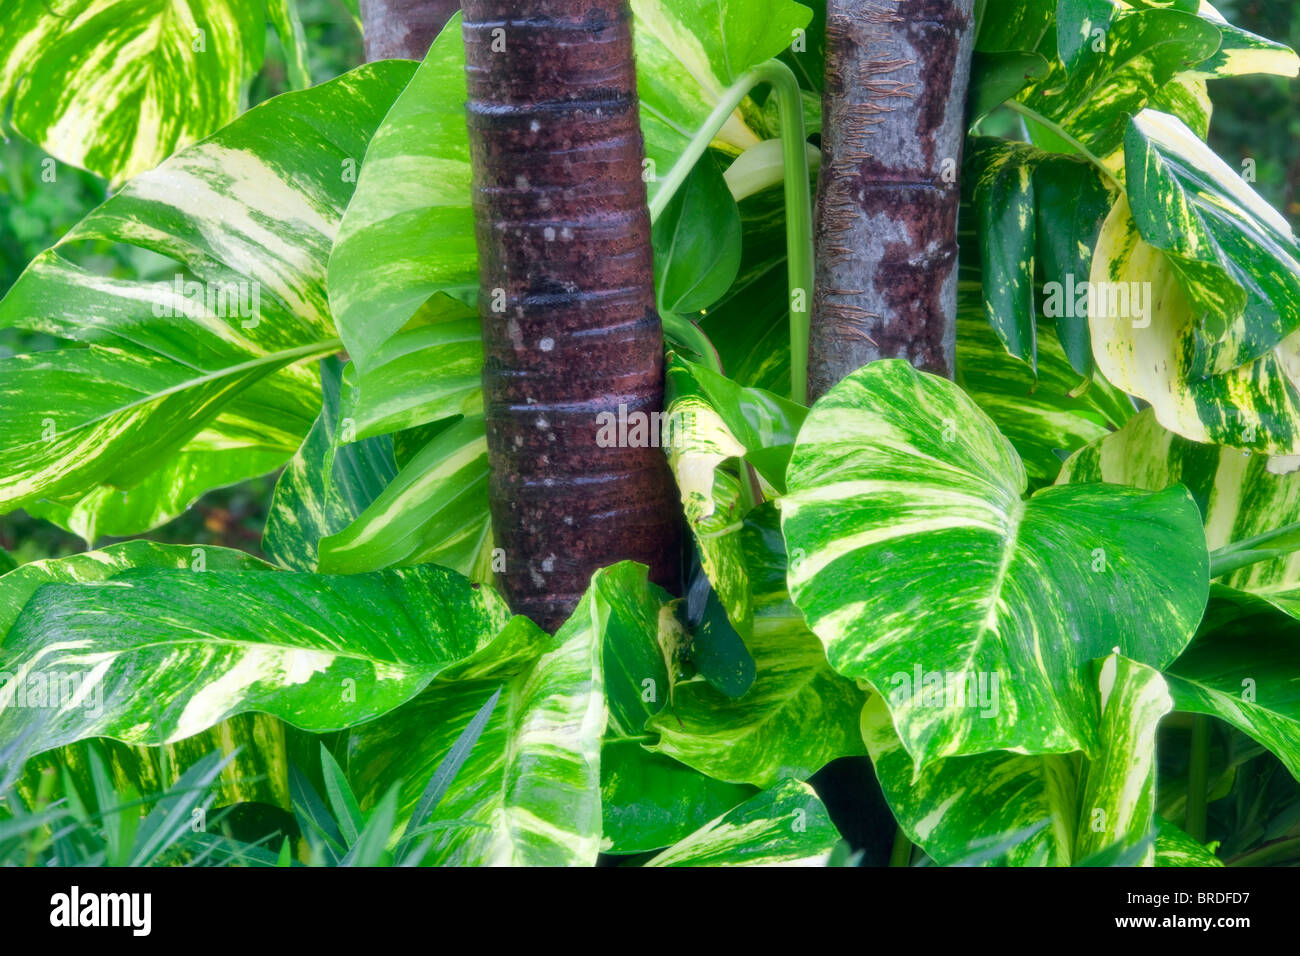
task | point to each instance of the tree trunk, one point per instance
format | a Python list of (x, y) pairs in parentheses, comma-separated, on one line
[(566, 295), (403, 29), (894, 107)]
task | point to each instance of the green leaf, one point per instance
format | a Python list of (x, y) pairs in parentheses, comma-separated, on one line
[(700, 448), (997, 77), (442, 778), (1041, 416), (920, 557), (718, 652), (1073, 202), (1254, 406), (529, 792), (215, 458), (249, 213), (697, 242), (116, 86), (164, 657), (1239, 495), (256, 743), (92, 566), (750, 327), (1188, 99), (1081, 24), (1242, 53), (1118, 797), (688, 52), (283, 15), (1246, 671), (342, 800), (1019, 26), (319, 829), (1034, 809), (797, 716), (173, 815), (1005, 207), (643, 640), (397, 247), (1176, 848), (1237, 260), (370, 846), (398, 390), (434, 511), (710, 421), (649, 801), (326, 485), (784, 826), (1142, 50), (762, 423)]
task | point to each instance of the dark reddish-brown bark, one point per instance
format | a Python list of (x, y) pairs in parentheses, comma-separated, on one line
[(894, 105), (403, 29), (566, 297)]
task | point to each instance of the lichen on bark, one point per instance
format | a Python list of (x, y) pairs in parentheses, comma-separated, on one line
[(894, 103)]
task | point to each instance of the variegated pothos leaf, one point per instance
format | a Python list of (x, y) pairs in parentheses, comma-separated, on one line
[(922, 567), (116, 86)]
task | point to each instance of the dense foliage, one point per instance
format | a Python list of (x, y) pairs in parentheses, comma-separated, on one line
[(1055, 603)]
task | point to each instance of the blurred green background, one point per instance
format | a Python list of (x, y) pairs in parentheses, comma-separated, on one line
[(1255, 118), (1259, 117)]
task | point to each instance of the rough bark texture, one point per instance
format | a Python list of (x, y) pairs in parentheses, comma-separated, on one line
[(403, 29), (897, 73), (566, 296)]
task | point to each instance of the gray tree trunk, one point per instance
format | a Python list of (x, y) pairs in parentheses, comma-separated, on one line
[(897, 73)]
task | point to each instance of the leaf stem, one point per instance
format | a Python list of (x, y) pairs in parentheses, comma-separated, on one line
[(1239, 554), (901, 854), (798, 195), (1198, 772), (1032, 114)]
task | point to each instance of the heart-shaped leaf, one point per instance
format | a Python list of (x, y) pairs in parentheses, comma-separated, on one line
[(920, 565)]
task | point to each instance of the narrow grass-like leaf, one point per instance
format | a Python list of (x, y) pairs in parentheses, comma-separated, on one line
[(442, 777)]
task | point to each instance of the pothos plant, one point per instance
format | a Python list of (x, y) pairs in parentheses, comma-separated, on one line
[(1052, 601)]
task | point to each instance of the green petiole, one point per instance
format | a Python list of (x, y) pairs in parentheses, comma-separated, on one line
[(798, 196)]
